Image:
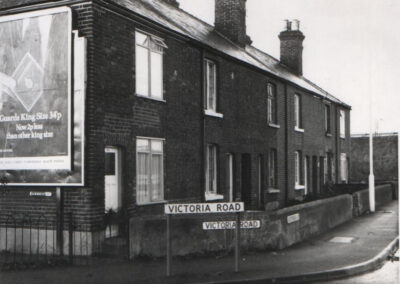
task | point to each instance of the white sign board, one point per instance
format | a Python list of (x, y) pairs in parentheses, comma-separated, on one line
[(230, 225), (38, 193), (204, 208), (293, 218)]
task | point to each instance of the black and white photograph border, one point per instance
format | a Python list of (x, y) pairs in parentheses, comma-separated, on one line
[(188, 141)]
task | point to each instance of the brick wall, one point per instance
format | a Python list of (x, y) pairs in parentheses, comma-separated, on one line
[(115, 116)]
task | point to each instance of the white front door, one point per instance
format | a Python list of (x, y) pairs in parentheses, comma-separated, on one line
[(112, 185)]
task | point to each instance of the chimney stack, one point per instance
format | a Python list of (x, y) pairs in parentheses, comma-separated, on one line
[(230, 20), (292, 46)]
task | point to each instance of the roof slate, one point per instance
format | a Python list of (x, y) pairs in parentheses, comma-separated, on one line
[(184, 23), (187, 25)]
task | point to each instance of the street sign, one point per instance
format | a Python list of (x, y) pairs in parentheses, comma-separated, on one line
[(40, 193), (204, 208), (293, 218), (230, 225)]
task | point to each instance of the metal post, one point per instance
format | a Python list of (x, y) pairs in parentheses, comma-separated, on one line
[(60, 221), (169, 246), (237, 242), (371, 178), (70, 239)]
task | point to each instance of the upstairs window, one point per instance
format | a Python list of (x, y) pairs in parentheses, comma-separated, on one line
[(149, 65), (327, 119), (272, 104), (272, 167), (297, 112), (210, 86), (149, 170), (342, 124)]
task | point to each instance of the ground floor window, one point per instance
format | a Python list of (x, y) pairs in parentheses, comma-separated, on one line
[(211, 169), (272, 169), (306, 173), (297, 168), (149, 170), (229, 176), (343, 168)]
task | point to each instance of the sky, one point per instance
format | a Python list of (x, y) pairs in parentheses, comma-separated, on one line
[(352, 49)]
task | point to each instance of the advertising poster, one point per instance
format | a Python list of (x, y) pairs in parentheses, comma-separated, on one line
[(41, 138), (35, 87)]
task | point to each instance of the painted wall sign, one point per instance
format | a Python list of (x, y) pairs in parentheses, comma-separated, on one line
[(202, 208), (293, 218), (38, 193), (37, 130), (230, 225), (35, 91)]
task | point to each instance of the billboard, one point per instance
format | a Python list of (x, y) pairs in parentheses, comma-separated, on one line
[(41, 143)]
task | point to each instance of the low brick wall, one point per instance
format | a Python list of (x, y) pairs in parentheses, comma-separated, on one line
[(148, 236), (383, 194)]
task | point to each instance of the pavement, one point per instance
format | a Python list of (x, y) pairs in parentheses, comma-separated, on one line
[(360, 245)]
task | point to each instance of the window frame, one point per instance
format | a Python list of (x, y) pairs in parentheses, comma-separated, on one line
[(230, 176), (207, 107), (342, 123), (154, 41), (327, 111), (272, 105), (344, 168), (298, 162), (272, 168), (306, 167), (298, 121), (214, 148), (149, 169)]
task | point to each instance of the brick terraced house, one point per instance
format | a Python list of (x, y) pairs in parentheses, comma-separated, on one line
[(174, 110)]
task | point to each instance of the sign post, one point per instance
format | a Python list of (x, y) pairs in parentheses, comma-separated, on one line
[(202, 208), (169, 245), (237, 242)]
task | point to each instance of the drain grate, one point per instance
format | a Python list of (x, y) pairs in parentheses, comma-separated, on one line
[(342, 240)]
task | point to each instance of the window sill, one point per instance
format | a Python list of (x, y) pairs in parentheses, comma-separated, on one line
[(152, 203), (299, 129), (213, 113), (328, 134), (273, 190), (342, 137), (273, 125), (213, 196), (299, 187), (151, 98)]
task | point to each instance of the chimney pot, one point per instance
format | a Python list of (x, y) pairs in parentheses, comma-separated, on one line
[(295, 25), (286, 25)]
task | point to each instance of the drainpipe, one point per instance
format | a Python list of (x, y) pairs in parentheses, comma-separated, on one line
[(203, 127), (286, 146), (337, 141)]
